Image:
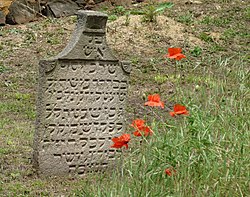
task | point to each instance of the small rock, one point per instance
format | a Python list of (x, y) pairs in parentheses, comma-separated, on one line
[(90, 5), (22, 11), (2, 18), (193, 2), (4, 6), (58, 8), (98, 1)]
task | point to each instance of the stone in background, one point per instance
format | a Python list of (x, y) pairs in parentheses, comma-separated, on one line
[(4, 10), (59, 8), (24, 11)]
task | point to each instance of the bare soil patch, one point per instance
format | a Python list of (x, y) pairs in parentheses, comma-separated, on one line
[(142, 38)]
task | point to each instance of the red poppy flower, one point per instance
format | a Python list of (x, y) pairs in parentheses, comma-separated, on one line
[(141, 128), (154, 101), (121, 141), (178, 110), (138, 123), (170, 171), (137, 133), (175, 53), (146, 130)]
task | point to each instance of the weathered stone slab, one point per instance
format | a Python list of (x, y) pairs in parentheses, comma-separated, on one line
[(22, 11), (81, 99), (59, 8)]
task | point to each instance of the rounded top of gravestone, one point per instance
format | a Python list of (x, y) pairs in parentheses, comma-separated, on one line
[(91, 13), (88, 41), (92, 21)]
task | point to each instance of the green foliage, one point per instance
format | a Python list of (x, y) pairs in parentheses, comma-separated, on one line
[(134, 60), (160, 79), (208, 149), (30, 37), (151, 11), (205, 37), (186, 18), (114, 13), (247, 13), (196, 51), (127, 21), (15, 31), (112, 17), (3, 68), (229, 33), (150, 14), (2, 32), (216, 47), (220, 22), (137, 12), (53, 39), (119, 10), (163, 6)]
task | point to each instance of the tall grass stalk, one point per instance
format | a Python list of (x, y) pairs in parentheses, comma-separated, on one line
[(208, 149)]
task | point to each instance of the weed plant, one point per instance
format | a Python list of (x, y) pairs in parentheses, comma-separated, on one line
[(209, 149)]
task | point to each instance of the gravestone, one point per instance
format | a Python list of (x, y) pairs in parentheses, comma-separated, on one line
[(80, 106)]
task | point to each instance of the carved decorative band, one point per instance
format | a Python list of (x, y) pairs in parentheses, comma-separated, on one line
[(126, 66)]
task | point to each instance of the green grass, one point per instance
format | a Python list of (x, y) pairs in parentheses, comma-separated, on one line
[(186, 18), (219, 22), (209, 149), (205, 37), (3, 68)]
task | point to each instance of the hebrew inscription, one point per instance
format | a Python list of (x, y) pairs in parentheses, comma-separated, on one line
[(81, 99)]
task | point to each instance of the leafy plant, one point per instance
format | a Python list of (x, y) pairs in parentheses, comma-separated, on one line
[(127, 21), (205, 37), (151, 11), (119, 10), (160, 79), (3, 68), (112, 17), (196, 51), (186, 18)]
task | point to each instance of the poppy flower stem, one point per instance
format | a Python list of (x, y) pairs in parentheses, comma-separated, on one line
[(122, 160), (158, 117), (145, 139), (175, 69), (178, 75)]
